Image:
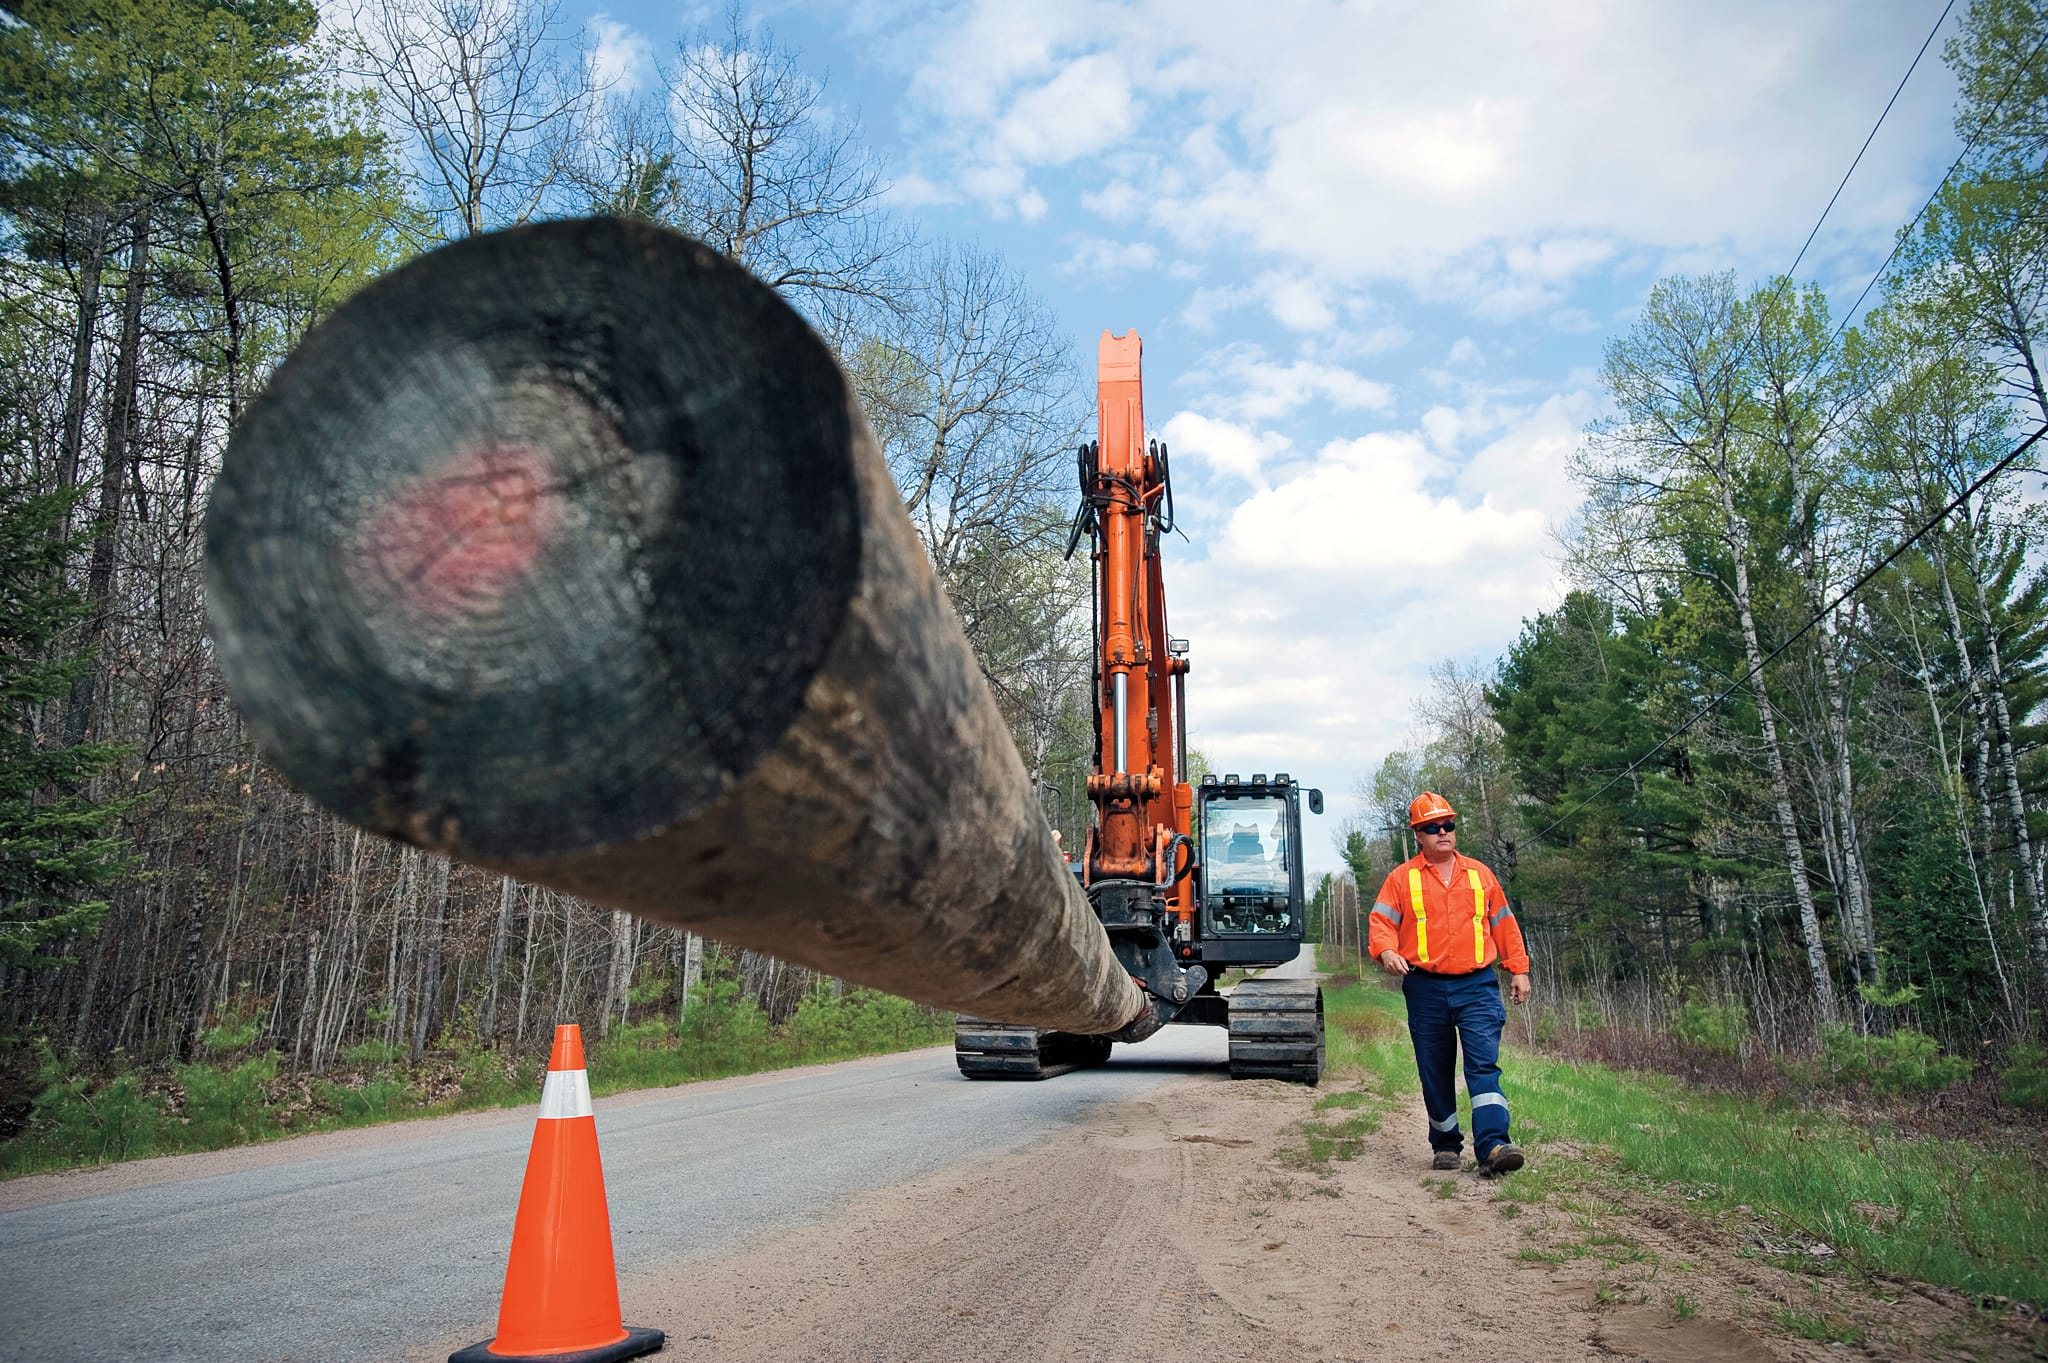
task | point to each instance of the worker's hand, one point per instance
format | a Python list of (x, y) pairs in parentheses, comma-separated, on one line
[(1392, 962), (1519, 988)]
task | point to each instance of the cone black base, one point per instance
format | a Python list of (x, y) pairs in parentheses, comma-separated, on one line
[(636, 1343)]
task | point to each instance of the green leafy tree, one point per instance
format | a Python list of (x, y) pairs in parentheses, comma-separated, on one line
[(2002, 64), (56, 847)]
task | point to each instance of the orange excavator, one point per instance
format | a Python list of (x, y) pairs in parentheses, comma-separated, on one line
[(1187, 880)]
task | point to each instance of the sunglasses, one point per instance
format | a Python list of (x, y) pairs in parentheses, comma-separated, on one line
[(1447, 826)]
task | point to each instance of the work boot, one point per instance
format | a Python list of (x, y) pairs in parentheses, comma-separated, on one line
[(1445, 1159), (1504, 1158)]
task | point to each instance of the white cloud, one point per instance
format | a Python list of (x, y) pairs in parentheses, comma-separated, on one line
[(1244, 383), (1365, 143), (1118, 201), (1525, 466), (1209, 304), (1326, 595), (621, 57), (1298, 303), (1085, 107), (1225, 447), (1364, 510), (1097, 257)]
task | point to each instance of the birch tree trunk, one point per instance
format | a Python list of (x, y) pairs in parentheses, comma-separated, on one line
[(83, 334), (79, 719), (508, 889), (430, 967), (1781, 786)]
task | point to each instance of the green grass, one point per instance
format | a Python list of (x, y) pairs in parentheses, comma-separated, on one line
[(1953, 1213), (1814, 1326)]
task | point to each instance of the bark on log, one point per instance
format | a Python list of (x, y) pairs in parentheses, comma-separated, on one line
[(566, 551)]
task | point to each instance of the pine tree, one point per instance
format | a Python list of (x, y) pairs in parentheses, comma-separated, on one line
[(56, 846)]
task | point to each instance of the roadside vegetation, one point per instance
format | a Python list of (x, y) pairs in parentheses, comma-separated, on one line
[(241, 1091), (1822, 1174)]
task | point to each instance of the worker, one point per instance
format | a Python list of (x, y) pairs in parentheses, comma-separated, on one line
[(1441, 924)]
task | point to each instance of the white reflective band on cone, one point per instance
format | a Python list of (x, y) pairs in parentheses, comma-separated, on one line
[(566, 1094)]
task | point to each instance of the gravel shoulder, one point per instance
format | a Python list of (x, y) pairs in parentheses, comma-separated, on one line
[(1176, 1225)]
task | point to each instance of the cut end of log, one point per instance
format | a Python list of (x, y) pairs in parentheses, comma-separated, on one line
[(458, 539), (511, 571)]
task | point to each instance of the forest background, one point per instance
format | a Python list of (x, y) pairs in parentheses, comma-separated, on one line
[(1843, 855)]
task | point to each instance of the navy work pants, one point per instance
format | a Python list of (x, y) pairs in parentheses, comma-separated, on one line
[(1444, 1012)]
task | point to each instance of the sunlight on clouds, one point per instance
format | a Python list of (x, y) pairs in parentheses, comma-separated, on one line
[(1363, 510), (1227, 448), (1326, 597)]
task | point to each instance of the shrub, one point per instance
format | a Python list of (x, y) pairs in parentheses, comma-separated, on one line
[(70, 1123), (2026, 1078), (376, 1100), (375, 1051), (1717, 1025), (237, 1029), (485, 1078), (227, 1105), (1904, 1062), (725, 1032)]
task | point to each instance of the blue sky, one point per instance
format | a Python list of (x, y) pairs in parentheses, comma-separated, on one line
[(1374, 251)]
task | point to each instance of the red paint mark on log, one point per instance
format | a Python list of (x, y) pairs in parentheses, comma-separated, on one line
[(454, 541)]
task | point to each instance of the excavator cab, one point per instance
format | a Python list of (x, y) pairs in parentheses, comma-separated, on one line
[(1250, 910)]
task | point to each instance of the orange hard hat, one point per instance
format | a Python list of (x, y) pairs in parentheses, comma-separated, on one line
[(1428, 807)]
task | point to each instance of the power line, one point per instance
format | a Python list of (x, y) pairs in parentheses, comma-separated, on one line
[(1909, 541), (1858, 585), (1900, 243), (1873, 135)]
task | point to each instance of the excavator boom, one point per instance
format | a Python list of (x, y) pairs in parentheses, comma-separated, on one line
[(1144, 864)]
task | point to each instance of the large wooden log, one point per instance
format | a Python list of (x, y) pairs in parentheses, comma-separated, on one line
[(567, 552)]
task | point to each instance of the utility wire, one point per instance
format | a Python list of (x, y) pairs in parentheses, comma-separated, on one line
[(1873, 135), (1955, 165), (1946, 511), (1858, 585)]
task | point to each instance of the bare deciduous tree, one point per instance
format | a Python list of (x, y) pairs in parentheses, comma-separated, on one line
[(767, 174), (625, 164), (973, 394), (491, 92)]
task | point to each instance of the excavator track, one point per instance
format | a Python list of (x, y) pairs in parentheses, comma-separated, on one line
[(1276, 1031), (1002, 1050)]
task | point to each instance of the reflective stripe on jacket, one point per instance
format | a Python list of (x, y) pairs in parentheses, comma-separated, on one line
[(1447, 929)]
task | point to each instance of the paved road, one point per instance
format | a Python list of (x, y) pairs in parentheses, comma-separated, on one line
[(357, 1246)]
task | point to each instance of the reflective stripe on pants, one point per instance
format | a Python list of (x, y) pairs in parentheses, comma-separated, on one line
[(1446, 1014)]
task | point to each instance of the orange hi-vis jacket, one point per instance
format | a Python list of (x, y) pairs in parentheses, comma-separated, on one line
[(1450, 929)]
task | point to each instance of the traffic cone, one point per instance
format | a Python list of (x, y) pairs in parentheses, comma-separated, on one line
[(561, 1302)]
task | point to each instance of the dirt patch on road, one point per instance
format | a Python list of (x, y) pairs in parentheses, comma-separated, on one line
[(1186, 1225)]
